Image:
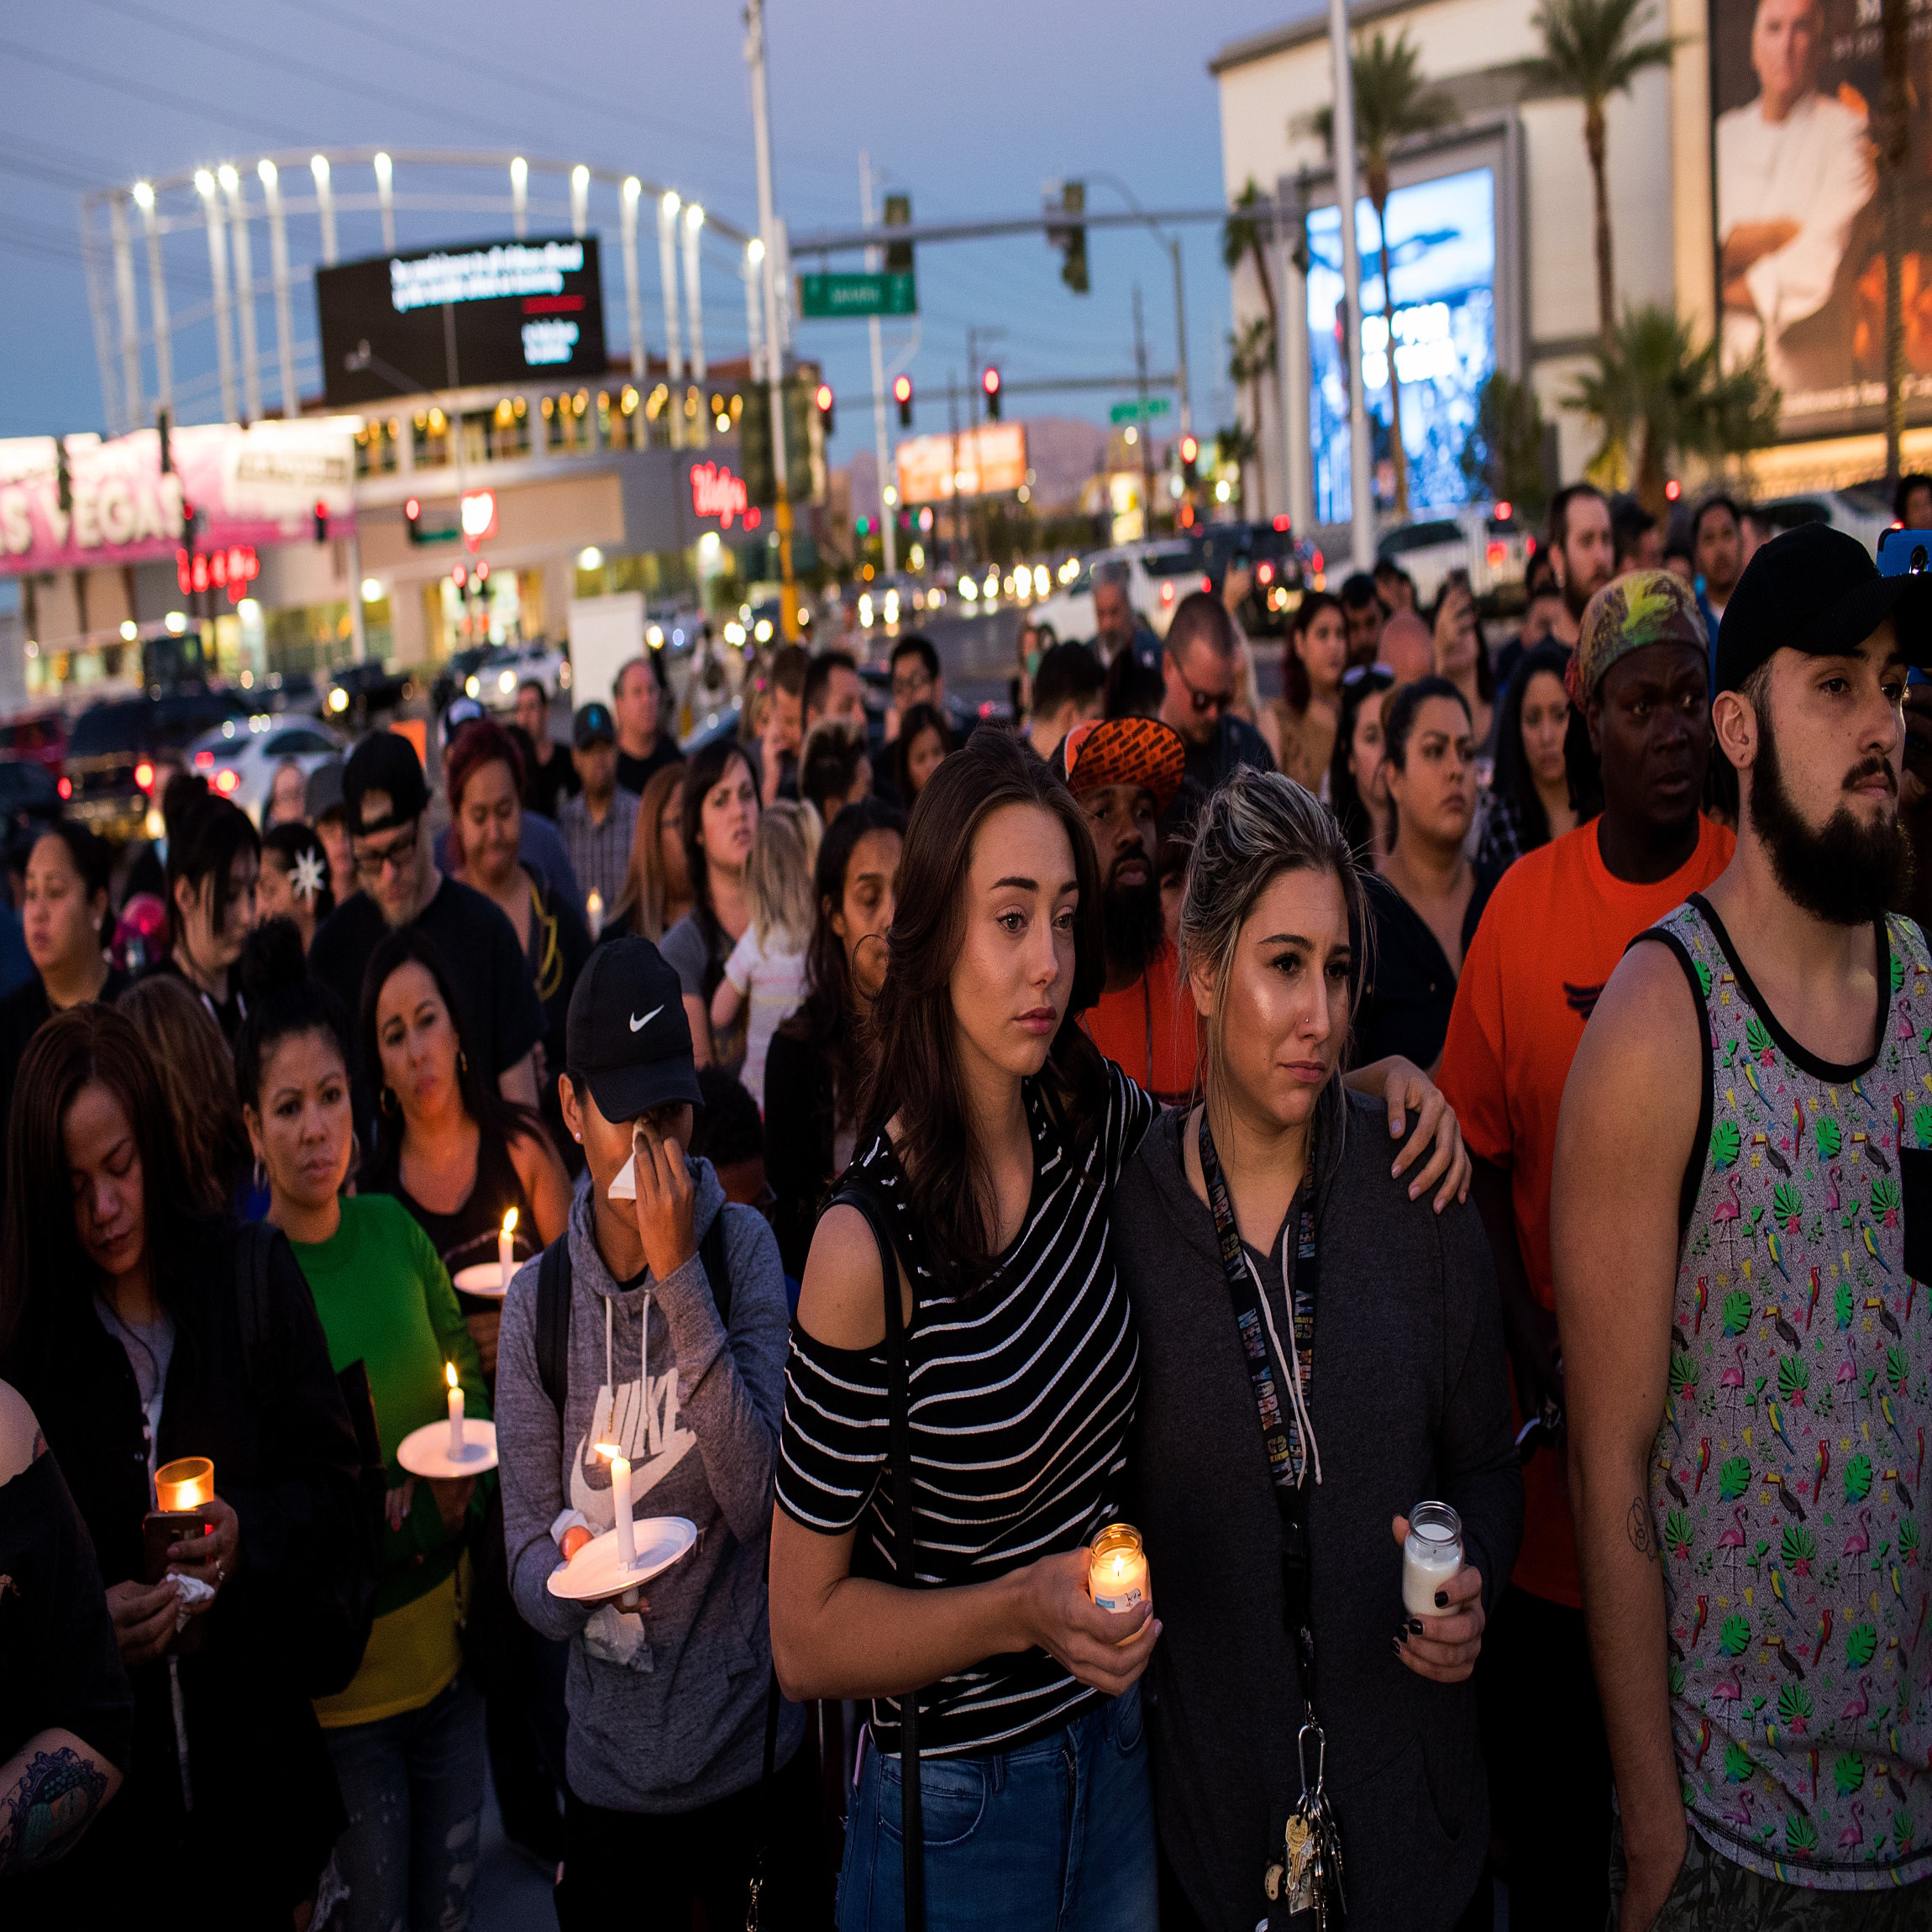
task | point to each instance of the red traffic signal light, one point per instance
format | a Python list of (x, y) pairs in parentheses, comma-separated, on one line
[(989, 381), (902, 395), (1190, 449), (824, 398), (321, 521)]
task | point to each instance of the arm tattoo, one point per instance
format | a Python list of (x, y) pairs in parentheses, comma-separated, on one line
[(52, 1802), (1643, 1538)]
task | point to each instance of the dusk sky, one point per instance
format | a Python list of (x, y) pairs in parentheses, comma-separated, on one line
[(968, 108)]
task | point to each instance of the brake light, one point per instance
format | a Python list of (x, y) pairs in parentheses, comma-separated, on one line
[(1281, 524), (1167, 592), (1504, 512), (1318, 561), (204, 761), (1207, 585), (226, 779), (144, 776), (1529, 546), (1265, 572), (1497, 553), (65, 788)]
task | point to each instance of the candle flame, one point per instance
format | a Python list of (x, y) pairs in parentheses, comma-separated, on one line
[(510, 1222), (449, 1374), (613, 1451)]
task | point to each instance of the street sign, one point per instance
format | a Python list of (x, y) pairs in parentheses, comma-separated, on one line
[(1134, 411), (821, 297)]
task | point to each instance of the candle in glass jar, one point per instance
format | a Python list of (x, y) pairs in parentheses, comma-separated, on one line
[(1431, 1556), (455, 1411), (1117, 1576), (186, 1483), (621, 1502), (507, 1249)]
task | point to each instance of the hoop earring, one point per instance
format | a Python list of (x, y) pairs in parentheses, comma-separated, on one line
[(260, 1178), (462, 1061)]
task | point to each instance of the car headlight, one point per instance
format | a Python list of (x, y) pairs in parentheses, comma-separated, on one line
[(507, 683), (470, 686), (339, 700)]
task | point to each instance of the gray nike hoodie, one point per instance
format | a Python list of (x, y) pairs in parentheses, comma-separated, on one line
[(667, 1704)]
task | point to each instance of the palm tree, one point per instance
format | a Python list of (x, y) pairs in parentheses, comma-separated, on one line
[(1392, 105), (1590, 52), (1251, 360), (1894, 160), (1502, 456), (1657, 394), (1244, 237)]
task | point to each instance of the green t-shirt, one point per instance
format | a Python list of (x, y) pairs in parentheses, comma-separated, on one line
[(385, 1300)]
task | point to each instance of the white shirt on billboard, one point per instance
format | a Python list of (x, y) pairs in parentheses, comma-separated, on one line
[(1814, 168)]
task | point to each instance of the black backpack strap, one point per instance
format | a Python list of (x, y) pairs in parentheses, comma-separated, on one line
[(553, 1322), (718, 1270), (860, 1195), (253, 1242)]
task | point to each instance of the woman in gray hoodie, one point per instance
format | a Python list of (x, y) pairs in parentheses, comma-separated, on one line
[(674, 1708), (1319, 1351)]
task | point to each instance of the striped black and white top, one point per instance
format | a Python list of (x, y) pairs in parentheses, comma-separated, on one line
[(1022, 1396)]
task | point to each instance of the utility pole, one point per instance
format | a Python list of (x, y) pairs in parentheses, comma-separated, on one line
[(952, 471), (1181, 338), (1361, 502), (875, 260), (1141, 423), (774, 353)]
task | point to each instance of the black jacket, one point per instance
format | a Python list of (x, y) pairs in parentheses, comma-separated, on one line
[(1409, 1402), (266, 1807), (798, 1104)]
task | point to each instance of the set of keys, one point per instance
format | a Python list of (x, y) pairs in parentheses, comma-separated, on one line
[(1306, 1880)]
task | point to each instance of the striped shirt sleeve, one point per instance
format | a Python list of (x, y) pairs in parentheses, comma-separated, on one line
[(833, 1443)]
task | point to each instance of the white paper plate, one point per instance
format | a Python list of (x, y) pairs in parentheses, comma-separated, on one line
[(595, 1572), (484, 1279), (425, 1451)]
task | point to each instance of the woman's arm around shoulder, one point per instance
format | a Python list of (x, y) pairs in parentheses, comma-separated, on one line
[(546, 1181)]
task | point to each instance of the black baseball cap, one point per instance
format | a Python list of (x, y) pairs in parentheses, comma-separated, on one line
[(1815, 589), (628, 1039), (593, 722), (386, 762)]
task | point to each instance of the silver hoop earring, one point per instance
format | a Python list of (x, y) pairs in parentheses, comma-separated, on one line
[(260, 1178)]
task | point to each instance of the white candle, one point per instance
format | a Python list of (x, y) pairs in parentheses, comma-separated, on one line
[(455, 1411), (1117, 1576), (594, 913), (621, 1504), (186, 1483), (507, 1249), (1431, 1556)]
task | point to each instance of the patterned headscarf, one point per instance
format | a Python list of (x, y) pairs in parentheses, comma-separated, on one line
[(1645, 607)]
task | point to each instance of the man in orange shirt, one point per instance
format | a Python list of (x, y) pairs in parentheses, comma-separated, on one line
[(1553, 932), (1126, 772)]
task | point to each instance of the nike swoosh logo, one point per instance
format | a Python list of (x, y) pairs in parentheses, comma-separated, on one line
[(638, 1026)]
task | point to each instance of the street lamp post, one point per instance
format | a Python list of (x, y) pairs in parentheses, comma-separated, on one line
[(1362, 504)]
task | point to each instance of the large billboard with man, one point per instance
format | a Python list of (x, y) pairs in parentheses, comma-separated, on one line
[(1796, 88)]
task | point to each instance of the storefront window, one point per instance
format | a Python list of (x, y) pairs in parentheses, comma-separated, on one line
[(376, 451), (433, 447), (303, 640)]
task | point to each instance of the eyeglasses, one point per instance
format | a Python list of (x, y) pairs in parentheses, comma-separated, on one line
[(1204, 701), (1383, 675), (912, 686), (371, 864)]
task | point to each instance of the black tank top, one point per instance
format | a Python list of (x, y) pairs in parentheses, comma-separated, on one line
[(468, 1234)]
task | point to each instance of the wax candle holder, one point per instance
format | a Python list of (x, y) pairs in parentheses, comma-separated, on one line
[(1117, 1573), (1431, 1556), (183, 1489)]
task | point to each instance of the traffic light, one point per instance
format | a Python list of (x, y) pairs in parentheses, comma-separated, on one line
[(412, 516), (899, 215), (902, 395), (828, 414), (989, 381), (1190, 455), (1069, 235), (321, 521)]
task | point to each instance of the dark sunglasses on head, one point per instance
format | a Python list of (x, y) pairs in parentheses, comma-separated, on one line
[(1203, 701), (1383, 675)]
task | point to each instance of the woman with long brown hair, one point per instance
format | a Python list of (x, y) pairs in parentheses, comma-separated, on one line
[(1300, 726), (196, 1075), (993, 1134), (141, 1332), (721, 816), (657, 882)]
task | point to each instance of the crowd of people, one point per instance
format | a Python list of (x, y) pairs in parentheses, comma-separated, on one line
[(1496, 1077)]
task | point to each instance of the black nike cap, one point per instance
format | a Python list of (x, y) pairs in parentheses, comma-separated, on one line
[(627, 1038)]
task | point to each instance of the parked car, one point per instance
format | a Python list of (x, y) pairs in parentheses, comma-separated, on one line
[(1841, 508), (40, 734), (240, 756), (110, 765), (29, 796), (1489, 541), (493, 679), (362, 690), (1284, 568), (1162, 574), (284, 691)]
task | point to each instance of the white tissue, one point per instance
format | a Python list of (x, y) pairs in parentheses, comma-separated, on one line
[(188, 1592), (624, 1187)]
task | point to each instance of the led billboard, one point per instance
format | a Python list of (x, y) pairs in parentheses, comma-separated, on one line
[(522, 310), (1442, 261)]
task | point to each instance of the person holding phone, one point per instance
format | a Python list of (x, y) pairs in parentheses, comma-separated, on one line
[(140, 1333)]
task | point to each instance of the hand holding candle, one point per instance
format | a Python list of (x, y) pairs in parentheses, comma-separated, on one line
[(621, 1502), (507, 1249), (455, 1412), (1117, 1579), (185, 1484), (1441, 1634)]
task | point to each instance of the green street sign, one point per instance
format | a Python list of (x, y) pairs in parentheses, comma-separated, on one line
[(825, 296), (1134, 411)]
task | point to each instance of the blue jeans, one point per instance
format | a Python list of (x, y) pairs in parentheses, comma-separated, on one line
[(413, 1786), (1056, 1836)]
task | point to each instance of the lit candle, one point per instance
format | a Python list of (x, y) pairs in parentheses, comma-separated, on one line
[(455, 1411), (1117, 1578), (507, 1249), (621, 1502), (187, 1483), (594, 913), (1431, 1554)]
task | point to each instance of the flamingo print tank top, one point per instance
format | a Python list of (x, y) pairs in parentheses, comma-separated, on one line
[(1787, 1484)]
